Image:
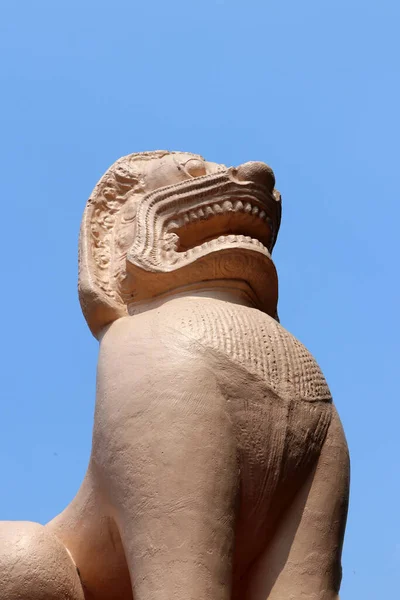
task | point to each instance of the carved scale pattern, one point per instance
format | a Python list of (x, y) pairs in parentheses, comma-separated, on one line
[(256, 341)]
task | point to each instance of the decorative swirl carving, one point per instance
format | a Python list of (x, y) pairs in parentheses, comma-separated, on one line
[(106, 234)]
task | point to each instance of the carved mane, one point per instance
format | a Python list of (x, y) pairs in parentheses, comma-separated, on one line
[(104, 238)]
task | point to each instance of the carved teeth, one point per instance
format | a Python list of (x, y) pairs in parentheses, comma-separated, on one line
[(209, 211), (170, 241), (172, 225), (217, 209), (227, 206)]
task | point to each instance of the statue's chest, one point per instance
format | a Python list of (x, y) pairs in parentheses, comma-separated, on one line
[(277, 400), (257, 343)]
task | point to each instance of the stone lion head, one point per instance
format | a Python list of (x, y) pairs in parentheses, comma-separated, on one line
[(159, 223)]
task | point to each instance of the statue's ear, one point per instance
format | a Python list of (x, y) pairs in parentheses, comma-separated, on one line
[(106, 232)]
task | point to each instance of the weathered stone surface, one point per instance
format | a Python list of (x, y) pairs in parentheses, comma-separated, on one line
[(219, 468)]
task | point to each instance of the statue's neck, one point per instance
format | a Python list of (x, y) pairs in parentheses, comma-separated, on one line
[(228, 291)]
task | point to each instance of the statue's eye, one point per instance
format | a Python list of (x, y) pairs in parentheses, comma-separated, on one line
[(195, 167)]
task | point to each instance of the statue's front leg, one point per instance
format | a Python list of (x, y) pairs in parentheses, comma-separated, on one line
[(304, 559), (165, 452), (34, 565)]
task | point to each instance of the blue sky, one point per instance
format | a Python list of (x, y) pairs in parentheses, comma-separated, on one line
[(313, 89)]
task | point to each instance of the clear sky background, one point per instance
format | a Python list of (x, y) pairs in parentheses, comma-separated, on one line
[(310, 87)]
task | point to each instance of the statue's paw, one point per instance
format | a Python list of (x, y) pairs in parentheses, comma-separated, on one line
[(35, 565)]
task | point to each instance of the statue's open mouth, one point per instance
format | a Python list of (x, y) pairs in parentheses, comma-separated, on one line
[(179, 224), (218, 223), (211, 228)]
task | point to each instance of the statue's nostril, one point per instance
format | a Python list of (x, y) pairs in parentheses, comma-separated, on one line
[(257, 172)]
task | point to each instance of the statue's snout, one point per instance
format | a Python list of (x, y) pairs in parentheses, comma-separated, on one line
[(257, 172)]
